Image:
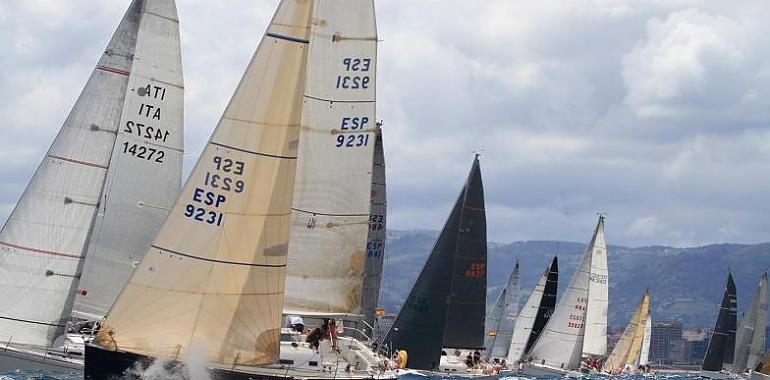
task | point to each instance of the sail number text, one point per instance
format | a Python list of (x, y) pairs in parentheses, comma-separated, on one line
[(350, 136), (206, 200), (577, 316), (356, 73), (150, 111)]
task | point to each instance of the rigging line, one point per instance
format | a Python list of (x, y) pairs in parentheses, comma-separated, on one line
[(32, 322), (324, 214), (251, 151), (336, 101), (218, 261)]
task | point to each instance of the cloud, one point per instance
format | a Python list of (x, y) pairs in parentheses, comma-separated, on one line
[(653, 112)]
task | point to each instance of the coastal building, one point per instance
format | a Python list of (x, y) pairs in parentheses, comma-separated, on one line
[(666, 343)]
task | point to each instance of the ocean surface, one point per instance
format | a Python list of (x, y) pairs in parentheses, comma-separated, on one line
[(41, 375)]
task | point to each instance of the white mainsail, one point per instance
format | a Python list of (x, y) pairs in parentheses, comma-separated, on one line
[(138, 192), (375, 244), (644, 354), (750, 339), (501, 318), (330, 218), (75, 189), (525, 320), (561, 342), (213, 278), (595, 339)]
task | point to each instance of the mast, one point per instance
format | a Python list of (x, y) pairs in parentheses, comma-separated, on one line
[(421, 324), (138, 191), (534, 313), (500, 320), (331, 207), (375, 243), (213, 277), (722, 344), (561, 342), (46, 237)]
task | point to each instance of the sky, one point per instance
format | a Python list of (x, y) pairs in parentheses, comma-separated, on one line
[(656, 113)]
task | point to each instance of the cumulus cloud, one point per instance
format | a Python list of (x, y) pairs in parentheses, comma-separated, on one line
[(653, 112)]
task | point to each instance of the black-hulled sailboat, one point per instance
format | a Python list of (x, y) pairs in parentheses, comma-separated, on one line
[(441, 323), (721, 348)]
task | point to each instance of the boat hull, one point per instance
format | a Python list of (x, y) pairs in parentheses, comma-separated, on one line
[(407, 374), (16, 359), (532, 369), (759, 376), (718, 375)]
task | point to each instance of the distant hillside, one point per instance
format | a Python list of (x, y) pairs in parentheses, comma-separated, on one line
[(686, 283)]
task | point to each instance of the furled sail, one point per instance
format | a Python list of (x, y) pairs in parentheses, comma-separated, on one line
[(750, 338), (138, 191), (534, 313), (644, 354), (73, 197), (628, 348), (721, 347), (561, 342), (501, 318), (330, 217), (420, 325), (212, 280), (375, 243)]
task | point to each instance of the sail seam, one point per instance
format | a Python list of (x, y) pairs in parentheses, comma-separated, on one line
[(36, 250), (287, 38), (162, 16), (74, 161), (324, 214), (337, 101), (219, 261), (252, 152), (28, 321)]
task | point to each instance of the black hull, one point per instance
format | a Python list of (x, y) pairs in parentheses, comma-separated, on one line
[(101, 364)]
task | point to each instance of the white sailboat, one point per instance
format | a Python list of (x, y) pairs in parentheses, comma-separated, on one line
[(501, 319), (750, 341), (632, 350), (578, 327), (303, 114), (94, 203)]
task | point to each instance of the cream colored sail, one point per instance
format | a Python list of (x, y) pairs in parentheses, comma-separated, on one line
[(330, 220), (628, 348), (595, 340), (636, 345), (213, 279), (138, 191)]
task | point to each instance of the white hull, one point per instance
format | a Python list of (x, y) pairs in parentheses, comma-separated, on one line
[(12, 359), (405, 373), (533, 369)]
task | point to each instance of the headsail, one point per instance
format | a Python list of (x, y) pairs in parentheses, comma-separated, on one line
[(375, 243), (138, 191), (330, 217), (628, 348), (420, 325), (750, 339), (721, 347), (535, 313), (47, 235), (213, 278), (561, 342), (644, 354), (501, 318)]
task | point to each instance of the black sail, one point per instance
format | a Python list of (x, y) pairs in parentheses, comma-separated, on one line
[(722, 344), (547, 304), (436, 308)]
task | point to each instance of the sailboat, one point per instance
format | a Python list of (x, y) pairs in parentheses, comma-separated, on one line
[(721, 348), (750, 338), (232, 256), (577, 330), (441, 322), (94, 203), (632, 350), (501, 319), (375, 242), (535, 313)]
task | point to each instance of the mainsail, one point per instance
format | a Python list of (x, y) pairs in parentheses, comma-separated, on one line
[(721, 347), (501, 318), (627, 350), (535, 313), (138, 192), (375, 243), (78, 197), (644, 354), (331, 208), (561, 342), (212, 280), (750, 341), (435, 304)]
